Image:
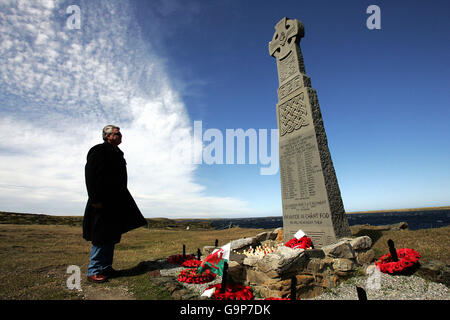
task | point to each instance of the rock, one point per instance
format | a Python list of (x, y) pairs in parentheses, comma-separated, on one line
[(268, 262), (291, 260), (259, 278), (330, 281), (169, 283), (242, 243), (365, 257), (250, 261), (236, 256), (317, 265), (343, 265), (236, 271), (287, 253), (361, 243), (304, 279), (371, 269), (341, 249), (399, 226), (315, 253), (266, 292), (270, 235), (281, 260), (436, 271), (263, 236), (184, 294), (279, 235), (207, 250)]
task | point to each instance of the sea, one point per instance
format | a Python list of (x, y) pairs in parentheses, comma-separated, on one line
[(424, 219)]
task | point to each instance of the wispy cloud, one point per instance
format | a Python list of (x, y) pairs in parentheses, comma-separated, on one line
[(59, 87)]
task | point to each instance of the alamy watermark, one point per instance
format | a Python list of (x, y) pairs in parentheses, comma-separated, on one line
[(74, 20), (373, 281), (74, 280), (234, 146), (374, 20)]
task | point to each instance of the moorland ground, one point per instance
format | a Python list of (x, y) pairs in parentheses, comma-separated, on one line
[(34, 257)]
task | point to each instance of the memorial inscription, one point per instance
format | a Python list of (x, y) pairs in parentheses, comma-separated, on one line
[(311, 198)]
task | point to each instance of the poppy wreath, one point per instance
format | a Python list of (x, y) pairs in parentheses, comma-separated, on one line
[(406, 259), (194, 263), (232, 292), (302, 243), (192, 276), (179, 259)]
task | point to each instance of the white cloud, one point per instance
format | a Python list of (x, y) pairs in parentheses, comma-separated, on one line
[(59, 87)]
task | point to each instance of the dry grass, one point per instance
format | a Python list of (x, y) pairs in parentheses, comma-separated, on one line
[(432, 244), (34, 258)]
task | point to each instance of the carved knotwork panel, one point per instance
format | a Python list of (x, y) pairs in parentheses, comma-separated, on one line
[(292, 115), (297, 82)]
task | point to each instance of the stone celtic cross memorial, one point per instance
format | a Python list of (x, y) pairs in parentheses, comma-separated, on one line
[(311, 198)]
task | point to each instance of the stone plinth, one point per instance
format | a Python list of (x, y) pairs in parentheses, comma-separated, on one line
[(314, 269)]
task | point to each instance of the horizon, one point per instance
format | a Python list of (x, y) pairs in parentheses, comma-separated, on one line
[(68, 68), (256, 217)]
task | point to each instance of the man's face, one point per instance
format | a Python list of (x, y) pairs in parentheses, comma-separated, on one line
[(115, 138)]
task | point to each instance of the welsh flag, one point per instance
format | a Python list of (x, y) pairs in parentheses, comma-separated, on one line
[(216, 260)]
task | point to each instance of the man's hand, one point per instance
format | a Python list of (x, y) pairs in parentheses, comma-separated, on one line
[(97, 205)]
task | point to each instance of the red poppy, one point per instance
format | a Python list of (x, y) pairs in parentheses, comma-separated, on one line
[(192, 276), (302, 243), (406, 259), (191, 263), (232, 292), (179, 259)]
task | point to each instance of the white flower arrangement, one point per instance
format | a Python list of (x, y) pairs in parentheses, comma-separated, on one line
[(259, 251)]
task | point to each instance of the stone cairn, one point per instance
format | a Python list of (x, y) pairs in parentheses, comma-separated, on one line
[(314, 269)]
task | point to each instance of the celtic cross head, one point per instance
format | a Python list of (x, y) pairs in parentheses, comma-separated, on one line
[(287, 33)]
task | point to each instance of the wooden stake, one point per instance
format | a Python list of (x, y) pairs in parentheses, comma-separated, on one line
[(224, 277), (392, 250), (294, 288), (362, 296)]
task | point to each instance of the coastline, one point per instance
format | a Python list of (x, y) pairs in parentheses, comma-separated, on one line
[(401, 210)]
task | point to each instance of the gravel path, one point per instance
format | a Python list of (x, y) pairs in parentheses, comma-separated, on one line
[(390, 287)]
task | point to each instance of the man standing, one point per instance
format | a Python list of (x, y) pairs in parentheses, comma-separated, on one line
[(110, 210)]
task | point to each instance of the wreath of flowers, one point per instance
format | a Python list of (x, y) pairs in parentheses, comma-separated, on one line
[(302, 243), (406, 259), (194, 263), (179, 259), (192, 276), (232, 292)]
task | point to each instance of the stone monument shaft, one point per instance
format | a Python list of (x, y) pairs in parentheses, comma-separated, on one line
[(311, 198)]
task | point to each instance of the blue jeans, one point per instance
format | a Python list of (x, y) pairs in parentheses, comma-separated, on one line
[(101, 259)]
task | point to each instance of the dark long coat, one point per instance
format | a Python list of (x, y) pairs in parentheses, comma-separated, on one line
[(106, 182)]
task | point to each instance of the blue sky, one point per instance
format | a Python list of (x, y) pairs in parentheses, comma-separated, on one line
[(155, 67)]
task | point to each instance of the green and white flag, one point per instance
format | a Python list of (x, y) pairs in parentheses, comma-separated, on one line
[(216, 260)]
